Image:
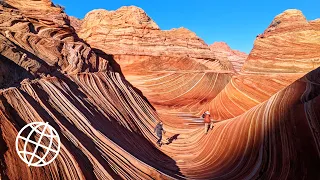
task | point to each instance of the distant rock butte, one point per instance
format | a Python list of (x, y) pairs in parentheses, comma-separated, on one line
[(223, 51), (290, 44)]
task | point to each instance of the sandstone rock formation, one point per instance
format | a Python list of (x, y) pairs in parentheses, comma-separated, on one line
[(89, 116), (287, 50), (290, 44), (41, 40), (223, 51), (276, 139), (130, 31), (106, 124), (172, 68)]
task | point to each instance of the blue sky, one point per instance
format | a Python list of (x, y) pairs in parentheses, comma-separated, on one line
[(236, 22)]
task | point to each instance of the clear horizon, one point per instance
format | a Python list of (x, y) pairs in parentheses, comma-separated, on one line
[(233, 22)]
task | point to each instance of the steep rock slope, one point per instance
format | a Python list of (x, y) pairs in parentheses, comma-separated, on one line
[(96, 112), (75, 23)]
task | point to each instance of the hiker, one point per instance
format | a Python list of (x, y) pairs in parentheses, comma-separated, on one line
[(207, 121), (158, 130)]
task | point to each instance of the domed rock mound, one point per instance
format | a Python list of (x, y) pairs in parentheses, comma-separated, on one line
[(130, 31), (287, 50), (289, 45)]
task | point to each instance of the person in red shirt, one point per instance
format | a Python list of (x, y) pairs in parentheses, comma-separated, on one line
[(207, 121)]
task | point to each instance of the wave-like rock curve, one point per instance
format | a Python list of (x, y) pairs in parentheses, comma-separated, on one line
[(106, 124)]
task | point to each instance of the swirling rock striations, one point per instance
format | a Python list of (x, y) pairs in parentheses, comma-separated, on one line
[(246, 91), (223, 51), (93, 141), (38, 52), (106, 124), (173, 69), (42, 45), (180, 91), (277, 139), (287, 50), (98, 124)]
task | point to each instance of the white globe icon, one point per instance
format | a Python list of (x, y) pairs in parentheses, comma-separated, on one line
[(38, 144)]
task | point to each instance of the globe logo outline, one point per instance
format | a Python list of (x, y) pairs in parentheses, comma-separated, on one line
[(41, 160)]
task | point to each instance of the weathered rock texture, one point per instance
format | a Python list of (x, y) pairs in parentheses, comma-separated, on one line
[(223, 51), (106, 124), (246, 91)]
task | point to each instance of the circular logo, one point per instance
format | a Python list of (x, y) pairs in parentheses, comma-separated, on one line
[(38, 144)]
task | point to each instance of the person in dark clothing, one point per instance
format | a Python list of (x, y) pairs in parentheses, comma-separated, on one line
[(158, 130)]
